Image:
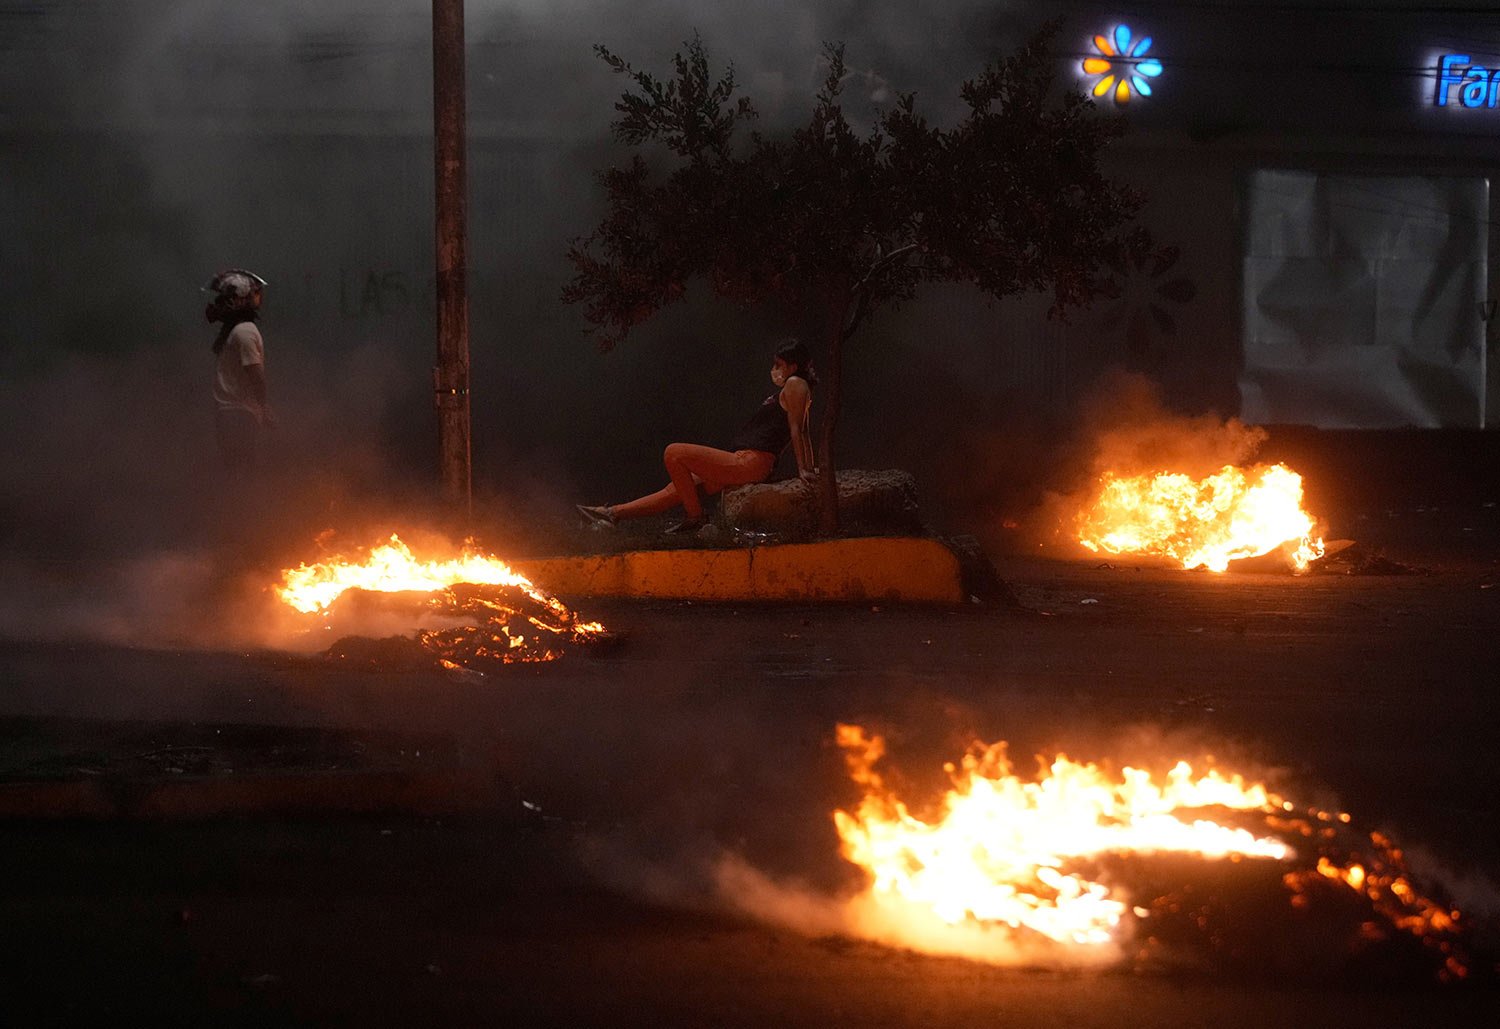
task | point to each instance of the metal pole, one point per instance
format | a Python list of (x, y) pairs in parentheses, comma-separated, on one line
[(451, 374)]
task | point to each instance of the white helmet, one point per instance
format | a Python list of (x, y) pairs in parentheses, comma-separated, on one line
[(237, 289)]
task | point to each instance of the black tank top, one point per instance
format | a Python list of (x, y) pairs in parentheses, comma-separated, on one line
[(766, 430)]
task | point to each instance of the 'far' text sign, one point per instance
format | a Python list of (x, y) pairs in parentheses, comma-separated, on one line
[(1472, 85)]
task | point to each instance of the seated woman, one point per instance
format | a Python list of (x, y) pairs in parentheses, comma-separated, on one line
[(697, 471)]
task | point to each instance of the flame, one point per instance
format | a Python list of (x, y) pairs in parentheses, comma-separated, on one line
[(391, 568), (1000, 851), (1205, 522), (474, 585), (1027, 857)]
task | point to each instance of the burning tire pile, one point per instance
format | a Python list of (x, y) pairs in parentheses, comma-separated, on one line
[(1207, 522), (1077, 866), (472, 612)]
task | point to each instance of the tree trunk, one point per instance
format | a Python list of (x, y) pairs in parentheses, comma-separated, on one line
[(831, 376)]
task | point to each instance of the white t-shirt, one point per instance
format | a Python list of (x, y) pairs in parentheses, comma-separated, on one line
[(243, 348)]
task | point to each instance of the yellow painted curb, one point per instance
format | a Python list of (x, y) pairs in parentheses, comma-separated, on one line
[(894, 569)]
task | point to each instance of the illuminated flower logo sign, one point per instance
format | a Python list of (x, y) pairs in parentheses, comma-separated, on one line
[(1122, 65)]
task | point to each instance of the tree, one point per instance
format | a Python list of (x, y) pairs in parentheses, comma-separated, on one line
[(1011, 199)]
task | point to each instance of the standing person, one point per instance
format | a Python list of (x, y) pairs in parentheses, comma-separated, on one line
[(697, 471), (242, 409)]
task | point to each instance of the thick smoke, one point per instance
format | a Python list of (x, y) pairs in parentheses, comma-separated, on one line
[(158, 143), (1132, 432)]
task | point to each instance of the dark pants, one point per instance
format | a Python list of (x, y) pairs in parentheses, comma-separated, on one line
[(239, 439)]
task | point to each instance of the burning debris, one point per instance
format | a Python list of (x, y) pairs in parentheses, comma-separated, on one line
[(1184, 488), (1202, 523), (471, 612), (1079, 866)]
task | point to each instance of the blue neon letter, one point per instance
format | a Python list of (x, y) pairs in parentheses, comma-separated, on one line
[(1476, 85), (1447, 77)]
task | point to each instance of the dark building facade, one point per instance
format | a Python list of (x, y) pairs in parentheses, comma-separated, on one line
[(1324, 173)]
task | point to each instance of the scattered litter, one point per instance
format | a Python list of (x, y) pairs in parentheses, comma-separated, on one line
[(1486, 585), (1089, 600), (1104, 566), (529, 806), (387, 832), (1195, 630)]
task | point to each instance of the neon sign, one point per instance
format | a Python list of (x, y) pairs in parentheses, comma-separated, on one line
[(1122, 65), (1477, 85)]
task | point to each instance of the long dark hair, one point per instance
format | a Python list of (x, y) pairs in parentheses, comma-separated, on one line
[(793, 351)]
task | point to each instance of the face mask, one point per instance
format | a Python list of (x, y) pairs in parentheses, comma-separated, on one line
[(778, 377)]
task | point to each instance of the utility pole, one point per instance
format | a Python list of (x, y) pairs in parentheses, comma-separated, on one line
[(450, 376)]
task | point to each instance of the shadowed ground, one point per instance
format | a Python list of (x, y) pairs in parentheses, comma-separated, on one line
[(574, 892)]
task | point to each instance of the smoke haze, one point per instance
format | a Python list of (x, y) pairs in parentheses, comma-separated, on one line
[(151, 144)]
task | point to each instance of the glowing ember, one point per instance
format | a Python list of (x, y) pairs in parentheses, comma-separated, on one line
[(1032, 859), (512, 619), (1205, 523)]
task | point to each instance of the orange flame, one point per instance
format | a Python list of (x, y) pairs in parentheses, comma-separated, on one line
[(392, 568), (1205, 522), (999, 851), (1003, 852)]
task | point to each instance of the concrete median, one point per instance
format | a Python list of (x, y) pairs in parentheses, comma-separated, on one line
[(890, 569)]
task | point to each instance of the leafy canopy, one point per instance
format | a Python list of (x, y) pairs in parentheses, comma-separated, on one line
[(1011, 199)]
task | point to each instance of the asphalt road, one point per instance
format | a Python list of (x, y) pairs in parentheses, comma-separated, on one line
[(585, 898)]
